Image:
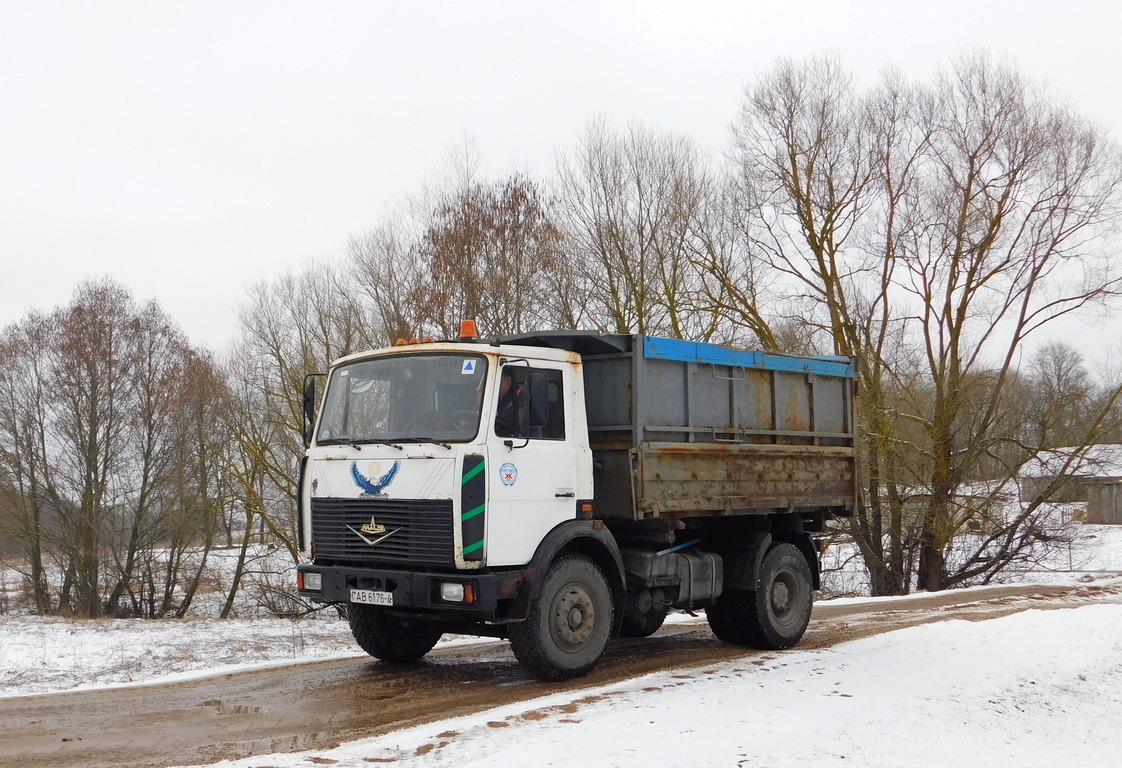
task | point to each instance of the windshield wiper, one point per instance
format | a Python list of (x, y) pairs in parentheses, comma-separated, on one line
[(357, 445), (427, 440)]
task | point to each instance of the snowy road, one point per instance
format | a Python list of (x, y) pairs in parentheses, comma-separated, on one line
[(321, 704)]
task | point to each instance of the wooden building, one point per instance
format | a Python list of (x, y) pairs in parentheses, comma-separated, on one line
[(1094, 476)]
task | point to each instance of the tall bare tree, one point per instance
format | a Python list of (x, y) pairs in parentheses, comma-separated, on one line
[(633, 206), (1018, 193), (199, 492), (822, 173), (32, 500), (158, 366), (91, 363), (489, 251), (956, 220)]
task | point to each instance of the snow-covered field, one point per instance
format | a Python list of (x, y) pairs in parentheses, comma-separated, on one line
[(1040, 688)]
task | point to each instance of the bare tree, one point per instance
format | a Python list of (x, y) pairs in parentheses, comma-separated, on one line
[(91, 361), (25, 470), (489, 251), (1018, 193), (1058, 400), (802, 147), (90, 414), (258, 459), (632, 207), (387, 269), (823, 171), (199, 493), (159, 359), (955, 221)]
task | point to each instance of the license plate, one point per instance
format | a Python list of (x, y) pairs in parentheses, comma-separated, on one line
[(371, 597)]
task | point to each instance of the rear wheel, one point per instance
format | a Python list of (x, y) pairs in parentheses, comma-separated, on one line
[(568, 625), (726, 619), (784, 598), (391, 637), (776, 614)]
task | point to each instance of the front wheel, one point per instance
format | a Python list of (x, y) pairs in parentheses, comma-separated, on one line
[(391, 637), (568, 626)]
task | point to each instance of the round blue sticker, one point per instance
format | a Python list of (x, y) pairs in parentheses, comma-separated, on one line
[(508, 473)]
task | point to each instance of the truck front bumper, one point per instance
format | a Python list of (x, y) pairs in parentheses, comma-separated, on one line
[(492, 594)]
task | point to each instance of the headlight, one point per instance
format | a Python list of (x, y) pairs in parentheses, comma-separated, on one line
[(310, 580), (451, 592)]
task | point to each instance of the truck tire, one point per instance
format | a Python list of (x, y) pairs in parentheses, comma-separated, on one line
[(776, 614), (643, 625), (727, 617), (569, 624), (389, 637)]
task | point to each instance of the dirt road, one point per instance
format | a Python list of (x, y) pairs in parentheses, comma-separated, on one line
[(321, 704)]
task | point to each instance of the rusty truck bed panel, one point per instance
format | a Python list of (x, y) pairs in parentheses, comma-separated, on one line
[(678, 479)]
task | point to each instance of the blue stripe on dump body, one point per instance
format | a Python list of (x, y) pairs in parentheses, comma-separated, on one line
[(691, 351)]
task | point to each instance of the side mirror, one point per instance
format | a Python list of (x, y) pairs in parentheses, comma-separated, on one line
[(537, 391), (309, 407)]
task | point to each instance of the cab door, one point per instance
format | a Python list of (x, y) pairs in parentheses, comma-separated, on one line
[(532, 457)]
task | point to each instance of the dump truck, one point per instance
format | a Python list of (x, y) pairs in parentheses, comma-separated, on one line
[(563, 488)]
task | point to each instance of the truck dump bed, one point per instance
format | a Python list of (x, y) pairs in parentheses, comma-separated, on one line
[(686, 429)]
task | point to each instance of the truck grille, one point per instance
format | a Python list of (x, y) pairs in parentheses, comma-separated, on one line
[(423, 530)]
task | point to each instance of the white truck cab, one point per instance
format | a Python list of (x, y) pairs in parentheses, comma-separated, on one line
[(412, 430)]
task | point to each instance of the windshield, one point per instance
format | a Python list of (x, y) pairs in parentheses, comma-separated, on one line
[(404, 398)]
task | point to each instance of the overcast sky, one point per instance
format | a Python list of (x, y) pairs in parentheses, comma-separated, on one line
[(190, 149)]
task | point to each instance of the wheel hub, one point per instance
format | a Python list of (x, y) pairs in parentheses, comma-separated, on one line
[(574, 616), (780, 597)]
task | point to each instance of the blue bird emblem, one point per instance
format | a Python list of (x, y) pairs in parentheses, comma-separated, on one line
[(369, 486)]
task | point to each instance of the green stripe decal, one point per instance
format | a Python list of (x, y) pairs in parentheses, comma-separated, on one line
[(473, 503), (472, 473)]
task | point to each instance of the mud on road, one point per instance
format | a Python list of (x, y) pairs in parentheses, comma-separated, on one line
[(321, 704)]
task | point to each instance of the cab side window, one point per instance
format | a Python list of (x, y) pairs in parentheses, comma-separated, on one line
[(530, 405)]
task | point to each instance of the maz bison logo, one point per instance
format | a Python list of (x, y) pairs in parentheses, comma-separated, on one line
[(373, 527), (371, 486)]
